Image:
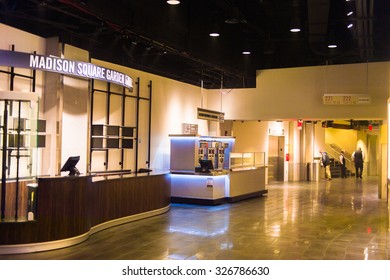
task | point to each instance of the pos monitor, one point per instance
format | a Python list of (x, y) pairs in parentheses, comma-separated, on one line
[(70, 165), (206, 165)]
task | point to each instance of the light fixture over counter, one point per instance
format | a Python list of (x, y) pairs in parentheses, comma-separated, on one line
[(173, 2)]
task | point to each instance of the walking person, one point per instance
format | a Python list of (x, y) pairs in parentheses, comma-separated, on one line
[(342, 164), (325, 162), (358, 159)]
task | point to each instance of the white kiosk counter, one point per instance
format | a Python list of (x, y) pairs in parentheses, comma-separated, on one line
[(226, 177)]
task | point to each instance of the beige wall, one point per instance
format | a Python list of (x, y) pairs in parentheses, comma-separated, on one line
[(250, 136), (10, 36), (294, 93), (344, 138), (75, 108)]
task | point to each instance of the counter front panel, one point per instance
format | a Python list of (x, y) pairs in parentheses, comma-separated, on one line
[(71, 208)]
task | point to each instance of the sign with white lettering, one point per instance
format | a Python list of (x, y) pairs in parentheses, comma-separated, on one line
[(346, 99), (64, 66)]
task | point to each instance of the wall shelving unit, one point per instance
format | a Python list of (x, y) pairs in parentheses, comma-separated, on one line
[(115, 128)]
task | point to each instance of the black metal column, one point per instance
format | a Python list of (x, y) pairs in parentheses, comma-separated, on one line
[(4, 160), (137, 126), (150, 122)]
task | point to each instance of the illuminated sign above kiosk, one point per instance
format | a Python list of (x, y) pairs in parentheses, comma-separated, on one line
[(64, 66)]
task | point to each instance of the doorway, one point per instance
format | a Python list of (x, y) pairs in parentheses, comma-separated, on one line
[(276, 158)]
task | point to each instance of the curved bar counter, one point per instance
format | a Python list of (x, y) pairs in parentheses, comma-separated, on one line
[(70, 209)]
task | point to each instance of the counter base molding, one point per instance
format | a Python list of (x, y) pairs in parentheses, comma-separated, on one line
[(246, 196), (199, 201), (59, 244), (212, 202)]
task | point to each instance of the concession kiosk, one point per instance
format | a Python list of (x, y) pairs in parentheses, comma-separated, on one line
[(205, 170)]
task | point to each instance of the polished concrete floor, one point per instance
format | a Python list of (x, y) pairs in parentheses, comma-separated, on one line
[(341, 219)]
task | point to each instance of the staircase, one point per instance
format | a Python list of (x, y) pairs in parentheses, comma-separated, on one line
[(334, 152), (335, 169)]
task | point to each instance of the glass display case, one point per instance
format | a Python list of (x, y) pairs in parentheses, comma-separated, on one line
[(249, 160), (189, 151)]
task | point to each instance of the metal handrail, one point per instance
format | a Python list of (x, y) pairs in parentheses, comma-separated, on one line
[(334, 151)]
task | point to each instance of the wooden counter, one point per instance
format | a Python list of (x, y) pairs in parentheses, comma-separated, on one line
[(69, 209)]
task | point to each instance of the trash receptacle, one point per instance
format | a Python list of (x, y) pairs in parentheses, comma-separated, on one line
[(316, 171), (31, 202), (308, 171)]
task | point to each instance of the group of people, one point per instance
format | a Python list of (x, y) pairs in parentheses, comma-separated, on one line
[(357, 158)]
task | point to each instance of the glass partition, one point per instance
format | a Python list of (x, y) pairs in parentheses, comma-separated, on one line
[(21, 136)]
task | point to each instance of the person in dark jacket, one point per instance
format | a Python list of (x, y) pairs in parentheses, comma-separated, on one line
[(325, 162), (358, 159), (342, 164)]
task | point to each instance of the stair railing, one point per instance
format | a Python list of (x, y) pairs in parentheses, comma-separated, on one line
[(334, 151)]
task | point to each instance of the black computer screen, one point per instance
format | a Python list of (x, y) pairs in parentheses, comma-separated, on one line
[(70, 165), (206, 165)]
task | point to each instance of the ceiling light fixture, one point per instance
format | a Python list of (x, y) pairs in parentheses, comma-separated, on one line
[(232, 15), (295, 20), (295, 30), (134, 42), (350, 26), (246, 47), (149, 47), (173, 2), (215, 30), (332, 36), (350, 13)]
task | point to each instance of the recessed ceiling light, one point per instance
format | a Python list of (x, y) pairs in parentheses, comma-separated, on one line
[(350, 13), (214, 34), (350, 25), (332, 46), (173, 2), (246, 52), (295, 30)]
